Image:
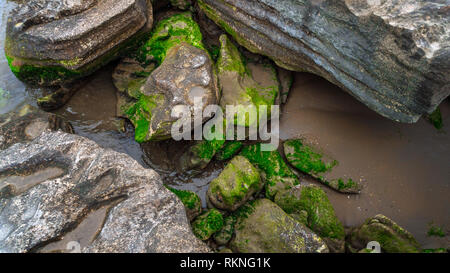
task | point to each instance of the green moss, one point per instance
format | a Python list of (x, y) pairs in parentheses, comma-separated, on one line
[(230, 59), (207, 224), (435, 250), (190, 199), (229, 149), (214, 52), (278, 175), (223, 236), (168, 33), (436, 119), (346, 185), (321, 215), (307, 160), (435, 231), (140, 115)]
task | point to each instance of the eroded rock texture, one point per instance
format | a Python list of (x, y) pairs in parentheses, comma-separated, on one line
[(392, 55), (50, 42), (62, 186)]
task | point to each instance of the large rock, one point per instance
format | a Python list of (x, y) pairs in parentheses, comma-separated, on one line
[(51, 42), (391, 237), (308, 157), (392, 55), (62, 190), (263, 227), (235, 185), (312, 201)]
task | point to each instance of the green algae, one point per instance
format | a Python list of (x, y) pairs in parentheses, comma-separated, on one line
[(278, 175), (436, 119), (223, 236), (435, 231), (229, 149), (205, 225), (190, 199)]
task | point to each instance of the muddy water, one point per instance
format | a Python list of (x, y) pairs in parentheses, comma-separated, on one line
[(404, 168)]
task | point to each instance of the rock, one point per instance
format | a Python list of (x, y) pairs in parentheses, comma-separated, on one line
[(225, 250), (435, 118), (235, 185), (59, 96), (275, 172), (230, 149), (223, 236), (207, 224), (50, 43), (181, 4), (27, 124), (186, 73), (306, 156), (239, 84), (286, 78), (320, 214), (54, 188), (198, 156), (191, 201), (391, 237), (263, 227), (391, 55), (130, 75)]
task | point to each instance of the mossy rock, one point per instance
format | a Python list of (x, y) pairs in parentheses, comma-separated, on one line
[(276, 173), (243, 85), (223, 236), (205, 225), (436, 119), (263, 227), (391, 237), (191, 201), (235, 185), (310, 159), (229, 149), (321, 217)]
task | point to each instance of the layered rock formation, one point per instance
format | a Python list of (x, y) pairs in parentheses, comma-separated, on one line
[(391, 55)]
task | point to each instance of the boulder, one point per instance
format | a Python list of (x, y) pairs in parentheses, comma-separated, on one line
[(391, 55), (60, 191), (242, 84), (223, 236), (235, 185), (207, 224), (391, 237), (311, 201), (275, 172), (306, 156), (50, 43), (263, 227)]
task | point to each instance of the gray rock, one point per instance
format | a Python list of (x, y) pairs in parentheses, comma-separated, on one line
[(263, 227), (62, 187), (51, 42), (391, 55)]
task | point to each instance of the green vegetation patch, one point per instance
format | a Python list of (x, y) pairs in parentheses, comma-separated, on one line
[(205, 225)]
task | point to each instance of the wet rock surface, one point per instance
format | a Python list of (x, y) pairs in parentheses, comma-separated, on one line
[(50, 185), (391, 55), (264, 227), (54, 42)]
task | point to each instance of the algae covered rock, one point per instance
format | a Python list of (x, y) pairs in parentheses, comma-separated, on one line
[(207, 224), (307, 157), (235, 184), (229, 149), (50, 43), (391, 237), (198, 156), (393, 55), (239, 84), (263, 227), (223, 236), (320, 214), (276, 173), (191, 202)]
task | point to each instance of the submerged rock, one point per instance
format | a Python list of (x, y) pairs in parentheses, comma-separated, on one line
[(391, 55), (239, 82), (263, 227), (312, 202), (308, 158), (275, 172), (391, 237), (235, 185), (191, 201), (51, 186), (50, 42), (207, 224)]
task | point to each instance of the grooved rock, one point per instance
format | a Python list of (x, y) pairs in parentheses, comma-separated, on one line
[(51, 42), (62, 191), (394, 56)]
